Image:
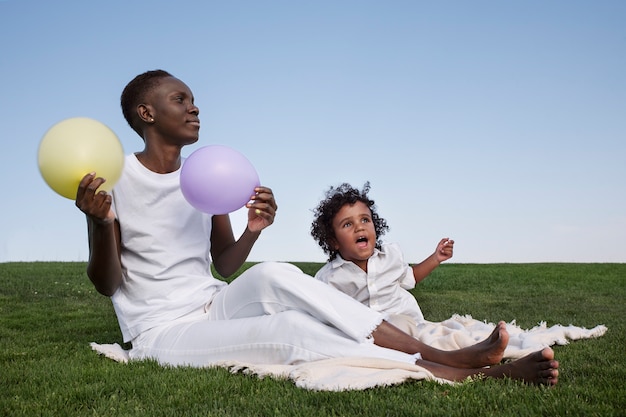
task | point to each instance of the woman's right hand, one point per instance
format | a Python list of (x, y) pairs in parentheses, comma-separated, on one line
[(95, 205)]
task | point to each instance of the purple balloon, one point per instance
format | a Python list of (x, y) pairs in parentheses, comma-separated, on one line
[(216, 179)]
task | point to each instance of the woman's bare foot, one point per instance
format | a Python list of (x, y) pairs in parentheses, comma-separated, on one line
[(486, 353), (537, 368)]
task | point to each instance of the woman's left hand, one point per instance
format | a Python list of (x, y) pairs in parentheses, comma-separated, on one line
[(261, 209)]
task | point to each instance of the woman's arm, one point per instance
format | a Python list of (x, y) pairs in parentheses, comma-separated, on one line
[(104, 267), (229, 254)]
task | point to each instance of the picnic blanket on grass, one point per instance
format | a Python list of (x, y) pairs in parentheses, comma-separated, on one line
[(355, 373)]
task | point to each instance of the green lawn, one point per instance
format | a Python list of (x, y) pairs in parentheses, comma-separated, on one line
[(49, 313)]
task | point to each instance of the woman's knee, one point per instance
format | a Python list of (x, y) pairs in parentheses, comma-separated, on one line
[(275, 268), (296, 327), (273, 273)]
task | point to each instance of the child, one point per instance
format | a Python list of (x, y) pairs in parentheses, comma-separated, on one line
[(349, 229)]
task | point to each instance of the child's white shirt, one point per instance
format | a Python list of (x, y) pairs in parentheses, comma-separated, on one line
[(383, 288)]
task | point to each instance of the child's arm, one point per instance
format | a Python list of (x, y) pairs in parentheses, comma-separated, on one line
[(442, 253)]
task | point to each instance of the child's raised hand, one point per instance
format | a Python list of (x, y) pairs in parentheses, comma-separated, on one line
[(445, 249)]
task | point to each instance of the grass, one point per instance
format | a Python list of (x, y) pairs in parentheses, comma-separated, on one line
[(49, 312)]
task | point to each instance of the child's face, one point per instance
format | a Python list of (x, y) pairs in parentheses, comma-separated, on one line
[(174, 111), (355, 233)]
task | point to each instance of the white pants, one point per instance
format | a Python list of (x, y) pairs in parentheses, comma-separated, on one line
[(271, 314)]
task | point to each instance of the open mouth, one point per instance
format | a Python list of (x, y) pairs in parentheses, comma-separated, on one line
[(361, 241)]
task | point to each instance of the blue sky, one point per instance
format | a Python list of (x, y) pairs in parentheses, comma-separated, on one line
[(499, 124)]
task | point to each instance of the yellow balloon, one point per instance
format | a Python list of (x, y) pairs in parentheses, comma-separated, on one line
[(75, 147)]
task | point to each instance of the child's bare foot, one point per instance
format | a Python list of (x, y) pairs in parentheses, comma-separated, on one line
[(537, 368), (488, 352)]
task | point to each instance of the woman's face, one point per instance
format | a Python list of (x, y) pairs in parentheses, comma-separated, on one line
[(174, 113)]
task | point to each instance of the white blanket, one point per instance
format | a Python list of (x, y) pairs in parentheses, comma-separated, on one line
[(354, 373)]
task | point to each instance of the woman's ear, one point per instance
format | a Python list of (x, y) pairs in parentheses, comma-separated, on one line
[(144, 112)]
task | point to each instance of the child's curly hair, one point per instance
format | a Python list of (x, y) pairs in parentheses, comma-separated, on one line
[(337, 197)]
